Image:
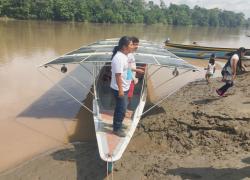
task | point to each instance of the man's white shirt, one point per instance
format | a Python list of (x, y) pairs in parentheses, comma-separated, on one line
[(119, 64)]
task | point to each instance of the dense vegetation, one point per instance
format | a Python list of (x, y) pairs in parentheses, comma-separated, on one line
[(119, 11)]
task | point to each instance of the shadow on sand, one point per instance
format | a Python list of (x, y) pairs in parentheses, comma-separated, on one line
[(87, 159), (211, 173), (155, 110), (246, 160), (246, 102), (208, 173), (205, 101)]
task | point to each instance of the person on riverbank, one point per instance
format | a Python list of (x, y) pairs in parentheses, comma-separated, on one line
[(210, 68), (230, 70), (119, 82)]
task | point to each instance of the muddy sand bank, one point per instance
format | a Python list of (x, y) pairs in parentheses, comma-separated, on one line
[(193, 135)]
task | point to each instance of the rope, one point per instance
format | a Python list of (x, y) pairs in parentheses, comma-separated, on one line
[(112, 172), (112, 167), (107, 171)]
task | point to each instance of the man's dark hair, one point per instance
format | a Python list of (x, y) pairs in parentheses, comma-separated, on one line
[(123, 42), (134, 39), (242, 49)]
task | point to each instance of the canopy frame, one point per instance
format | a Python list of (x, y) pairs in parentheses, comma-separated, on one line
[(84, 58)]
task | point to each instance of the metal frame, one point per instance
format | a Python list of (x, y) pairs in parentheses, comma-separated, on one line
[(63, 89), (97, 65), (165, 97)]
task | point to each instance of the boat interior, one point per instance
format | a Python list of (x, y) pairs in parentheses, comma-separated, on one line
[(106, 101), (105, 96)]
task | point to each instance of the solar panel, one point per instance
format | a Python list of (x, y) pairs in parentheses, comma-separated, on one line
[(101, 51), (114, 43), (67, 60), (172, 62), (99, 58)]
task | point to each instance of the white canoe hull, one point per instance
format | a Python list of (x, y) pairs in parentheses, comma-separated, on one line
[(111, 146)]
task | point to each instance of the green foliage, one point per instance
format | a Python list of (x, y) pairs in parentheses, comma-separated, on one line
[(1, 7), (247, 22), (63, 10), (179, 15), (200, 16), (19, 9), (230, 19), (120, 11), (42, 9), (81, 11), (214, 17)]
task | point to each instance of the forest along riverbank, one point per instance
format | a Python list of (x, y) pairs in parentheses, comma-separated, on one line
[(193, 135)]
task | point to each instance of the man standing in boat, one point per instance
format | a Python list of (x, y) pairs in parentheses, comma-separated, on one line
[(132, 72), (120, 82)]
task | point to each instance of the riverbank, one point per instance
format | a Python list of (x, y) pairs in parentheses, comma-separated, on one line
[(194, 134), (5, 18)]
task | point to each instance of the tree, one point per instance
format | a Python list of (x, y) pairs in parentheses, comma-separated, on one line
[(179, 14), (63, 10), (247, 23), (214, 17), (119, 11), (81, 11), (42, 9), (19, 9), (200, 16)]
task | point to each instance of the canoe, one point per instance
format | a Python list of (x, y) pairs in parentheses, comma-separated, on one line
[(111, 147), (196, 51), (200, 48), (198, 54)]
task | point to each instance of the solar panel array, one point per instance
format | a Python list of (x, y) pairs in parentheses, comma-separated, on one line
[(101, 51)]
